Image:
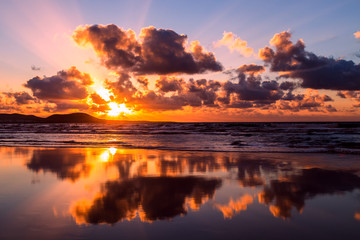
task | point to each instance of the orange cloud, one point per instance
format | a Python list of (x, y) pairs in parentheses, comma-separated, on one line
[(316, 72), (357, 35), (235, 43), (158, 51)]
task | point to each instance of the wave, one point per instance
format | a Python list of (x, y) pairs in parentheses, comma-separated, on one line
[(223, 137)]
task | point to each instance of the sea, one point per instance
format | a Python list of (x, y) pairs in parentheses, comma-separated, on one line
[(336, 137)]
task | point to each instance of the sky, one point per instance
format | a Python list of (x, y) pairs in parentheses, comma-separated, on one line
[(182, 60)]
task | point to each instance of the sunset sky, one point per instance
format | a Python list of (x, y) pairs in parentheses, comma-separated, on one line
[(182, 60)]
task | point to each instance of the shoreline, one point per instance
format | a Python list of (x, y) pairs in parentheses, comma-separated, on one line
[(180, 150)]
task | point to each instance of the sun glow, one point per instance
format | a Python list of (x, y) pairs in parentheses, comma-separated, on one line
[(112, 150), (104, 93), (107, 154), (117, 109)]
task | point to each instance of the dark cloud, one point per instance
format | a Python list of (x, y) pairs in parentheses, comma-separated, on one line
[(97, 99), (287, 85), (156, 101), (61, 106), (21, 97), (251, 69), (122, 88), (35, 68), (159, 51), (251, 88), (170, 84), (204, 90), (143, 81), (65, 85), (195, 93), (158, 197), (352, 95), (310, 100), (316, 72), (349, 94)]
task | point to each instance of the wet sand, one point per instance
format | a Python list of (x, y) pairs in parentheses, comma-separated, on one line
[(109, 193)]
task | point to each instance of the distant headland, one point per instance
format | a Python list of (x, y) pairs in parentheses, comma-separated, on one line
[(55, 118)]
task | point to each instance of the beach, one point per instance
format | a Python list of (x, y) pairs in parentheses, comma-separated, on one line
[(111, 192)]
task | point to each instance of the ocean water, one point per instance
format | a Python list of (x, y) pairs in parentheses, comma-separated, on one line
[(226, 137), (180, 181)]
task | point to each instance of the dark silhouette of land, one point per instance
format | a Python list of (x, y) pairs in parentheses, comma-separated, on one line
[(56, 118)]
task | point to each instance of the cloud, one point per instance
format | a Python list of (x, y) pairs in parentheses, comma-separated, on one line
[(311, 100), (353, 95), (316, 72), (251, 88), (170, 84), (251, 69), (235, 43), (21, 97), (123, 88), (195, 93), (65, 85), (61, 106), (158, 51), (35, 68), (251, 91), (357, 35)]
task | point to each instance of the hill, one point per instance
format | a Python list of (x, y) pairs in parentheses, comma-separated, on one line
[(56, 118), (73, 118)]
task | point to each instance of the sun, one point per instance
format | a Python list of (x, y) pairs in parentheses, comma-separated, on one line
[(117, 109)]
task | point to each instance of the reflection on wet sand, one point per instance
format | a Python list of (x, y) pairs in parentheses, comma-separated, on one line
[(155, 198), (64, 163), (282, 195), (234, 207), (156, 185), (357, 216)]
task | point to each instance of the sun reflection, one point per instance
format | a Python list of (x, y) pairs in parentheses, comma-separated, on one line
[(105, 156), (112, 150)]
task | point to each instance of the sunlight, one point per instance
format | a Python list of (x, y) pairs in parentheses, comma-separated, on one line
[(104, 93), (112, 150), (105, 156), (117, 109)]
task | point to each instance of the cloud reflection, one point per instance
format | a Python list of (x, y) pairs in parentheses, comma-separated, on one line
[(234, 207), (157, 185), (153, 198), (65, 163), (283, 195)]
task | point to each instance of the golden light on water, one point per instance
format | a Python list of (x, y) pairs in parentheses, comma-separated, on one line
[(107, 154), (112, 150), (104, 157)]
